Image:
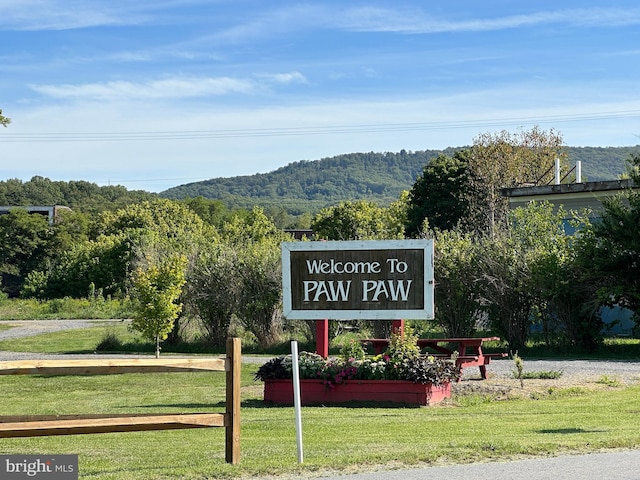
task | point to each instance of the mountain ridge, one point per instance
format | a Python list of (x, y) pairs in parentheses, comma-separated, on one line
[(309, 185)]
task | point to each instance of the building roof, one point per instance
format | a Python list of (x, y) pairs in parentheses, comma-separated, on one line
[(573, 196)]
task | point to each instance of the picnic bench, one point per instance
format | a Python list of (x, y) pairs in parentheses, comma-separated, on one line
[(469, 350)]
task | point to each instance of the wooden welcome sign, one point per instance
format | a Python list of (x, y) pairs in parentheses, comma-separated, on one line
[(358, 280)]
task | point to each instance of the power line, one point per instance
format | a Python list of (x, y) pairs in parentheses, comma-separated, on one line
[(10, 137)]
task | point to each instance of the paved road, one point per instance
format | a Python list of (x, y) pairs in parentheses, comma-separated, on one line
[(619, 465)]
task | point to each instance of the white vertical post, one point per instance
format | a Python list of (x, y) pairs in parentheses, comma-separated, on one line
[(557, 169), (296, 398), (578, 171)]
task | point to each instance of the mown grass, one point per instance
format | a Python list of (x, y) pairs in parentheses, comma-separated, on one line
[(346, 438), (335, 438)]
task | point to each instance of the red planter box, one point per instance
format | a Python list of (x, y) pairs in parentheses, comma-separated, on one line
[(280, 392)]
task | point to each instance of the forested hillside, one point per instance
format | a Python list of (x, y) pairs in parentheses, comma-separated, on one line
[(601, 163), (79, 195), (307, 186), (300, 187), (310, 185)]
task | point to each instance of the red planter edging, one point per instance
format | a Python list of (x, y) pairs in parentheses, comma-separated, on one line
[(280, 392)]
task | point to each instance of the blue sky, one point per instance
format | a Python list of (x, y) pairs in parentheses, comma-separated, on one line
[(153, 94)]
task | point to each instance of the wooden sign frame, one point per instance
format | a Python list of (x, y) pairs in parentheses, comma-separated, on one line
[(358, 280)]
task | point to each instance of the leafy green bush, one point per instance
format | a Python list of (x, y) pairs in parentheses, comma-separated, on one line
[(109, 342), (538, 375), (609, 381), (352, 348)]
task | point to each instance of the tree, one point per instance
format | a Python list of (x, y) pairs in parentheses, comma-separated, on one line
[(68, 231), (114, 242), (102, 264), (212, 212), (213, 290), (610, 249), (505, 282), (156, 287), (564, 294), (363, 220), (174, 221), (457, 290), (24, 244), (4, 121), (504, 160), (358, 220), (239, 275), (527, 271), (256, 242), (12, 192), (397, 214), (440, 195), (259, 271)]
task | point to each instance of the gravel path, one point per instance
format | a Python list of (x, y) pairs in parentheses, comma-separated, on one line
[(570, 368), (28, 328)]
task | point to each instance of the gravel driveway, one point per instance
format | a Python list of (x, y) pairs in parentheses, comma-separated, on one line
[(29, 328)]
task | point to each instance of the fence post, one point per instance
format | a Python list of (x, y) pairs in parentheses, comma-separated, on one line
[(232, 430)]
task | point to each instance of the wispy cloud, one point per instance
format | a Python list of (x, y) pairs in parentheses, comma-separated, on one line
[(419, 21), (269, 22), (71, 14), (167, 88), (176, 87), (284, 78), (58, 15)]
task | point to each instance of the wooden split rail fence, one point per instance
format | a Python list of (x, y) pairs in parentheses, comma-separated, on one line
[(43, 425)]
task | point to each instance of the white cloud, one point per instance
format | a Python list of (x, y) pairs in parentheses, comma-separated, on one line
[(174, 87), (71, 14), (418, 21), (285, 78), (63, 14)]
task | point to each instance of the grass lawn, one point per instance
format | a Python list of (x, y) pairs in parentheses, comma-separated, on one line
[(347, 438), (81, 340), (335, 438)]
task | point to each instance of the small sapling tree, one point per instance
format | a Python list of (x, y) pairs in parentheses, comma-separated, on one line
[(156, 288)]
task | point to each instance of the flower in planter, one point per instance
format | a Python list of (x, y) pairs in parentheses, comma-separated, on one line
[(401, 362), (333, 371)]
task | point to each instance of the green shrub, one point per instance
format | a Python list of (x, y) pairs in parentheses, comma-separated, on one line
[(352, 348), (109, 342), (538, 375), (609, 381)]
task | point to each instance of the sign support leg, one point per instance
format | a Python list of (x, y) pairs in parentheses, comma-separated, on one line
[(322, 338), (397, 327)]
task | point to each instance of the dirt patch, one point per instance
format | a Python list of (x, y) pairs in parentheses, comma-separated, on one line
[(506, 388)]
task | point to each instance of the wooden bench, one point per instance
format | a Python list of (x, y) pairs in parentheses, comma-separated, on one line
[(469, 350), (43, 425)]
